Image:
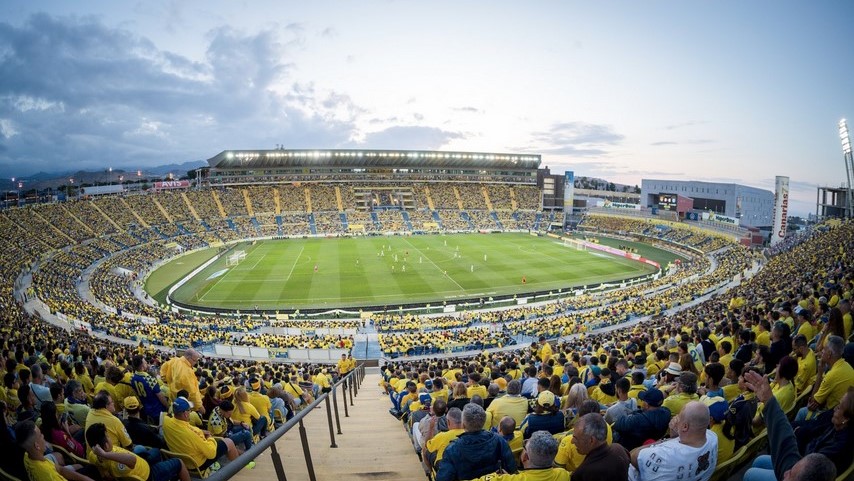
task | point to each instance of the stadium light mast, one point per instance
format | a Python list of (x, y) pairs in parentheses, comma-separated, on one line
[(849, 167)]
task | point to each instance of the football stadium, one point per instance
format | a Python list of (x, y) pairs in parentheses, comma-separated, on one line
[(429, 287)]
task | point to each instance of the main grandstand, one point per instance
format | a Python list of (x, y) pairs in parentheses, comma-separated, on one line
[(82, 265)]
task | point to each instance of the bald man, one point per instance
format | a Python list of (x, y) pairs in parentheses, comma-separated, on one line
[(692, 456), (180, 373)]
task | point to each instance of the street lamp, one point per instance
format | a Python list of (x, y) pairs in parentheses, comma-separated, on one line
[(849, 166)]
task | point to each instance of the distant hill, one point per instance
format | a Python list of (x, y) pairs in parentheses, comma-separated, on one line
[(45, 180), (594, 183)]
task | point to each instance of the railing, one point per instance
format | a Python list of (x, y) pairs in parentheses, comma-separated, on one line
[(350, 382)]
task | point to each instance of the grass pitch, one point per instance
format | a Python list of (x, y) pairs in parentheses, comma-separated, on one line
[(350, 272)]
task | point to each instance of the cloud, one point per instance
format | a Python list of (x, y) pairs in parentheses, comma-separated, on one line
[(468, 109), (575, 139), (409, 138), (689, 123), (683, 142), (87, 96)]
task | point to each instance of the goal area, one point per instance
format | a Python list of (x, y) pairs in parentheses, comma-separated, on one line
[(235, 258), (575, 244)]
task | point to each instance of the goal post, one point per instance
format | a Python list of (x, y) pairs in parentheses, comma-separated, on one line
[(235, 258), (574, 243)]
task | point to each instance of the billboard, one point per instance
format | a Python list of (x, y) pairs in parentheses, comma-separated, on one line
[(781, 209), (620, 205), (568, 191), (103, 189), (723, 219), (172, 184)]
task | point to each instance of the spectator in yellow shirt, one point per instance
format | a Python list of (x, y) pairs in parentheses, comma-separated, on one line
[(198, 445), (179, 373), (115, 462), (39, 467), (806, 363), (833, 384)]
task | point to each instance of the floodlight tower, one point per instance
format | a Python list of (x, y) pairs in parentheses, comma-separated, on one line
[(849, 167)]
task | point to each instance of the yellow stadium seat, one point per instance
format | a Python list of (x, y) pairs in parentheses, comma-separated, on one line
[(848, 475), (725, 469)]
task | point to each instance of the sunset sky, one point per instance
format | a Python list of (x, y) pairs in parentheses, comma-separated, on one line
[(726, 91)]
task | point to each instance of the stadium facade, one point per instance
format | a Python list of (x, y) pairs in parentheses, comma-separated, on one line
[(749, 205), (236, 167)]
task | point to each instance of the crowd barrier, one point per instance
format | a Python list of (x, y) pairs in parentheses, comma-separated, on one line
[(262, 353), (349, 384)]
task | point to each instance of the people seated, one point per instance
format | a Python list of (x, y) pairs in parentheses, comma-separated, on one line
[(202, 448), (116, 462)]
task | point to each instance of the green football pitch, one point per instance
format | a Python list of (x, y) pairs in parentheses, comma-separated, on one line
[(389, 271)]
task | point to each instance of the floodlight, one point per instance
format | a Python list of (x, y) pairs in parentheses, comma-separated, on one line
[(844, 137)]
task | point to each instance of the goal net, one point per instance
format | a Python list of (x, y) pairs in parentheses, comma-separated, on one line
[(575, 244), (235, 258)]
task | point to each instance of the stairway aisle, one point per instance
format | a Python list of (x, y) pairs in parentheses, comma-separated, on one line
[(373, 444)]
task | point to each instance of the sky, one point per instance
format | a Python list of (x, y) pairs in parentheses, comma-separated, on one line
[(727, 91)]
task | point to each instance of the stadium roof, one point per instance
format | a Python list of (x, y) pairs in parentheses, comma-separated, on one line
[(229, 159)]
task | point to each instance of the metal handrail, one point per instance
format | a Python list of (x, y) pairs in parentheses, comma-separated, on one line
[(356, 376)]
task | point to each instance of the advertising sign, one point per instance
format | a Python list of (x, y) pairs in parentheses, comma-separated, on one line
[(781, 209)]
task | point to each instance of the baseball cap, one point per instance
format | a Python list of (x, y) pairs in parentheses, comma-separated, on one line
[(131, 403), (653, 397), (546, 398), (428, 384), (425, 399), (674, 368), (717, 407), (180, 405)]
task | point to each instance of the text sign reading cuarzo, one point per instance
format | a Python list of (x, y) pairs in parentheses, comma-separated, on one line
[(172, 184)]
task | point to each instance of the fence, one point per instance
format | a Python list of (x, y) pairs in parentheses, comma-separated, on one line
[(350, 382)]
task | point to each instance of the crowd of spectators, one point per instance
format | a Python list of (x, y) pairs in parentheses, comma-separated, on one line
[(681, 393)]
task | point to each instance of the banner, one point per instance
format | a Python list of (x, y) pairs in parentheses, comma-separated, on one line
[(723, 219), (568, 191), (172, 184), (620, 205), (781, 209)]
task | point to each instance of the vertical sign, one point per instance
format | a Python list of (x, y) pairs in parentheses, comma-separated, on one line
[(781, 209), (569, 192)]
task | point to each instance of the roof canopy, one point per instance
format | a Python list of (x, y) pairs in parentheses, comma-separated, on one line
[(400, 159)]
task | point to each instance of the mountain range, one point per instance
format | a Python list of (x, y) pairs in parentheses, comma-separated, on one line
[(45, 180)]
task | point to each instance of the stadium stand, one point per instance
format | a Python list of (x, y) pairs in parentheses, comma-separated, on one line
[(663, 326)]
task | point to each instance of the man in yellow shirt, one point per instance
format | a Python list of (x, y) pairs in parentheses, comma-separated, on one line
[(104, 412), (834, 383), (179, 373), (806, 363), (115, 462), (198, 445), (437, 444), (686, 391), (261, 402), (38, 467), (545, 350), (512, 404)]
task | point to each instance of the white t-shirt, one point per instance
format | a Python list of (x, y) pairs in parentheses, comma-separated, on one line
[(674, 461)]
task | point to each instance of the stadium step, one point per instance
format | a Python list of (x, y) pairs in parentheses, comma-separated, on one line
[(190, 206), (218, 203), (373, 445)]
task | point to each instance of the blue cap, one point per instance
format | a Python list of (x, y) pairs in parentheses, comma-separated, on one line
[(425, 399), (180, 405), (653, 397)]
